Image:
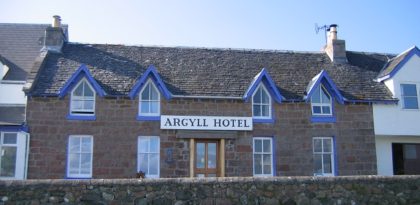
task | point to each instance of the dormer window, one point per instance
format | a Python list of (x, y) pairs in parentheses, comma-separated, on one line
[(83, 99), (149, 100), (261, 103), (321, 102)]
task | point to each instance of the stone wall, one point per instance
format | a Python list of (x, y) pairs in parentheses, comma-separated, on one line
[(276, 190), (115, 132)]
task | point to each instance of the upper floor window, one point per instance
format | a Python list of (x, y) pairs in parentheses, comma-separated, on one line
[(261, 103), (149, 100), (83, 99), (323, 154), (321, 102), (409, 96)]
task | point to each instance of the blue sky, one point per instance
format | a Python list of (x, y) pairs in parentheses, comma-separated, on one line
[(366, 25)]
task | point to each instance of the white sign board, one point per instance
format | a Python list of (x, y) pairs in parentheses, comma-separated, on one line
[(205, 123)]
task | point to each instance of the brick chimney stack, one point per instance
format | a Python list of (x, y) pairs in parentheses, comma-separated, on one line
[(335, 48), (54, 36)]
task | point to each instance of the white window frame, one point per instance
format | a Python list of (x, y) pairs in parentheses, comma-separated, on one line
[(402, 96), (80, 152), (83, 98), (263, 89), (148, 155), (262, 153), (321, 88), (322, 154), (152, 87), (21, 154)]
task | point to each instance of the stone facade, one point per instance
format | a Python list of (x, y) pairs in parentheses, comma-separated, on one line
[(276, 190), (115, 132)]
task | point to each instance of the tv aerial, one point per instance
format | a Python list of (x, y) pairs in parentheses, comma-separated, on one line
[(324, 27)]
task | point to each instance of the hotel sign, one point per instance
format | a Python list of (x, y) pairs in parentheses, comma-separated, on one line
[(205, 123)]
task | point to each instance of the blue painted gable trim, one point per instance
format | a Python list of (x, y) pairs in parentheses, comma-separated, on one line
[(264, 77), (324, 79), (412, 52), (150, 72), (81, 72)]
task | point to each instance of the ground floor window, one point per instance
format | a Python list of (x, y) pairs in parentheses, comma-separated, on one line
[(323, 154), (406, 158), (13, 155), (80, 154), (263, 156), (149, 156)]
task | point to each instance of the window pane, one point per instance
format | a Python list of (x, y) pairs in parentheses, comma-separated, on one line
[(265, 110), (410, 103), (327, 145), (265, 98), (316, 96), (154, 93), (74, 160), (77, 104), (327, 163), (144, 107), (143, 145), (79, 90), (88, 91), (211, 175), (410, 151), (316, 109), (257, 110), (257, 96), (326, 110), (317, 164), (409, 89), (143, 161), (200, 155), (257, 163), (257, 145), (212, 149), (85, 163), (267, 146), (8, 161), (145, 94), (154, 106), (325, 97), (317, 145), (267, 163), (86, 144), (9, 138), (88, 105), (154, 145), (153, 164), (74, 144)]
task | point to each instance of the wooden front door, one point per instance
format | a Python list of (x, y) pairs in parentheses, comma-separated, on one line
[(206, 161)]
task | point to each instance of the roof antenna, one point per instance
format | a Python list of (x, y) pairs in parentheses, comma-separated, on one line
[(324, 27)]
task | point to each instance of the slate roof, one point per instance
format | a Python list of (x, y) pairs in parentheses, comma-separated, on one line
[(394, 62), (12, 115), (211, 72), (20, 45)]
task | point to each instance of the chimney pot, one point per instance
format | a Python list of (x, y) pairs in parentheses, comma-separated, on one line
[(56, 21), (335, 48)]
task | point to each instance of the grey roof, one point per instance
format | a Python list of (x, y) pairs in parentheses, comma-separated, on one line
[(211, 72), (394, 62), (12, 115), (20, 44)]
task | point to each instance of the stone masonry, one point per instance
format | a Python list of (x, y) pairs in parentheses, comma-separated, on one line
[(224, 191), (115, 133)]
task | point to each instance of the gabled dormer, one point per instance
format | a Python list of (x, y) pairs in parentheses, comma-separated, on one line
[(149, 88), (83, 89), (263, 92), (322, 93)]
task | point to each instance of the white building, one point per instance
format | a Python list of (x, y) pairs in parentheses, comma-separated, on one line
[(397, 126)]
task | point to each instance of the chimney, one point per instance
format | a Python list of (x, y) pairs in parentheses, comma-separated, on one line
[(335, 48), (54, 36)]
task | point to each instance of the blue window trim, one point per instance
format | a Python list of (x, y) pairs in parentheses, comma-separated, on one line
[(14, 128), (263, 76), (323, 119), (335, 171), (324, 79), (273, 150), (271, 119), (411, 52), (147, 118), (81, 72), (157, 80), (81, 117)]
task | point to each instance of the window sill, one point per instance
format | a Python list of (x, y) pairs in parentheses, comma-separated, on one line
[(81, 117), (148, 118), (321, 119), (256, 120)]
